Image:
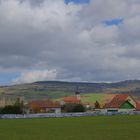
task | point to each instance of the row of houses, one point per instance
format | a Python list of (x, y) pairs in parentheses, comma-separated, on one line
[(120, 103)]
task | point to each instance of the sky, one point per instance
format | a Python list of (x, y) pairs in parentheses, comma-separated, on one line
[(69, 40)]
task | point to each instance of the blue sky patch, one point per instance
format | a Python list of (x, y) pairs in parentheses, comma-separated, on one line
[(113, 22), (5, 78), (77, 1)]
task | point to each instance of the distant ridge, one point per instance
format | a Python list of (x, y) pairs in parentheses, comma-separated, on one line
[(56, 89)]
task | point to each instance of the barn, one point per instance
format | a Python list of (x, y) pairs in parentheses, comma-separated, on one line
[(121, 103)]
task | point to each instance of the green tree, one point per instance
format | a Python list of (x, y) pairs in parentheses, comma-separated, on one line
[(97, 105), (11, 109), (16, 108), (71, 107)]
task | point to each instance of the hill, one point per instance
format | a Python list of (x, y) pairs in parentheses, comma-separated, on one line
[(57, 89)]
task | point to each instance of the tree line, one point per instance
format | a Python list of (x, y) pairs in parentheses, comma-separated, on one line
[(16, 108)]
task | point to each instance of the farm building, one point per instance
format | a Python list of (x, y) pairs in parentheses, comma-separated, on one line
[(44, 106), (121, 103)]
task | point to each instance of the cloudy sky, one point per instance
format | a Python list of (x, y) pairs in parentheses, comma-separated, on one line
[(72, 40)]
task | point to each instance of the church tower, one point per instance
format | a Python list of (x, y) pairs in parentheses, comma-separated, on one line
[(77, 93)]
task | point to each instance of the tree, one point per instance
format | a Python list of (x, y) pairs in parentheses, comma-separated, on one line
[(11, 109), (17, 102), (35, 108), (79, 108), (16, 108), (97, 105), (71, 107)]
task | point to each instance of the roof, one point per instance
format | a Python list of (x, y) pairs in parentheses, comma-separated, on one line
[(71, 100), (138, 106), (43, 104), (117, 101)]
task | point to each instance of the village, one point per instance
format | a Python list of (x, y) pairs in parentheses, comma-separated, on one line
[(70, 104)]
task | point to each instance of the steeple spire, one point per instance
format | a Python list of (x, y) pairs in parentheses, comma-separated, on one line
[(77, 93)]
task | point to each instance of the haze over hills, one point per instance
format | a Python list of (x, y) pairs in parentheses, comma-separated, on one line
[(57, 89)]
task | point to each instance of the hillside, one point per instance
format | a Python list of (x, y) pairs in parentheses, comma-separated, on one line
[(57, 89)]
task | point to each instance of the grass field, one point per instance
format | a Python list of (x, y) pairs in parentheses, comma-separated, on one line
[(92, 97), (83, 128)]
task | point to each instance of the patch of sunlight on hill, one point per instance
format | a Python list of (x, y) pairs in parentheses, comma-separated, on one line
[(91, 98), (101, 98)]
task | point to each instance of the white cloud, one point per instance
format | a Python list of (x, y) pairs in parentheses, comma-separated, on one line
[(71, 39), (36, 75)]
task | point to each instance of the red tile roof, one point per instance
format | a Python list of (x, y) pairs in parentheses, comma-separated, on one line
[(71, 100), (43, 104), (138, 106), (117, 101)]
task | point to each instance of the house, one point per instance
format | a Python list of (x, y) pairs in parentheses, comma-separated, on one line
[(44, 106), (89, 106), (121, 103)]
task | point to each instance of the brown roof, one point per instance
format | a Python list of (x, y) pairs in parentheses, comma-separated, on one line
[(44, 104), (117, 101), (71, 100)]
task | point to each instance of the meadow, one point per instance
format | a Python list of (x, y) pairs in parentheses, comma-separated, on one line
[(82, 128)]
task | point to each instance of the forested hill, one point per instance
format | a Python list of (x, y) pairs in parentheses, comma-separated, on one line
[(56, 89)]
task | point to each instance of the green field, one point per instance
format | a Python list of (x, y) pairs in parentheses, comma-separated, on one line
[(92, 97), (83, 128), (89, 97)]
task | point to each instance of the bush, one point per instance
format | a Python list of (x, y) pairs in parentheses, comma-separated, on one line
[(11, 110), (73, 108), (17, 108)]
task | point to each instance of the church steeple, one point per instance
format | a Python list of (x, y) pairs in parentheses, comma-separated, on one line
[(77, 93)]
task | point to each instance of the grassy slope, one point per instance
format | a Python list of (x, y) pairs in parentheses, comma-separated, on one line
[(92, 97), (31, 91), (84, 128)]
